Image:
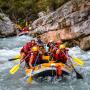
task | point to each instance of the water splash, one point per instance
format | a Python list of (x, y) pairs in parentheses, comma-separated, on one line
[(9, 47)]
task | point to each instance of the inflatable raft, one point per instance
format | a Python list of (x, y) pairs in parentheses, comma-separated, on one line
[(23, 33), (49, 69)]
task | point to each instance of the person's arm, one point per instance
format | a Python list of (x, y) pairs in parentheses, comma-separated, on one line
[(57, 51), (22, 54), (30, 61), (22, 57)]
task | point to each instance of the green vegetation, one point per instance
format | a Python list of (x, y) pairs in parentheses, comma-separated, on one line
[(25, 9), (1, 18)]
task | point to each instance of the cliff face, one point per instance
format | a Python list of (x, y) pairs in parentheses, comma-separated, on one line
[(6, 26), (70, 22)]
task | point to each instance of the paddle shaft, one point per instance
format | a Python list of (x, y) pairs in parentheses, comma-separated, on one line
[(30, 74), (13, 59), (16, 67), (24, 58)]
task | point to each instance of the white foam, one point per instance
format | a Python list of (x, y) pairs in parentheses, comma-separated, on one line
[(6, 66)]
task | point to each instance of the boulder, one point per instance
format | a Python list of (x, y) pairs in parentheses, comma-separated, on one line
[(70, 22), (85, 43), (6, 26)]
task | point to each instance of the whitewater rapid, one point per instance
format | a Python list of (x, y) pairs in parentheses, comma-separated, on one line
[(10, 47)]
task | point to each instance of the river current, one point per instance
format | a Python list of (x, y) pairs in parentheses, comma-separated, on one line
[(10, 47)]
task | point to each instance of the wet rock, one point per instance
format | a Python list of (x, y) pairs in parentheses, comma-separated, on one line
[(82, 29), (6, 26), (40, 14), (69, 22), (85, 43)]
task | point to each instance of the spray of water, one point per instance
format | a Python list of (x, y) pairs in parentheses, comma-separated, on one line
[(9, 47)]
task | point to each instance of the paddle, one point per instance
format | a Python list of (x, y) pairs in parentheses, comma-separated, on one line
[(29, 80), (78, 75), (12, 59), (15, 68), (78, 61), (29, 76), (16, 58)]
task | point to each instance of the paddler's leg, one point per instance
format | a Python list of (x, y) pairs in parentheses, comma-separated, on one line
[(26, 66), (58, 71)]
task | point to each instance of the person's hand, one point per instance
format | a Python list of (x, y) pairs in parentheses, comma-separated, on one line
[(21, 61), (40, 52), (33, 68)]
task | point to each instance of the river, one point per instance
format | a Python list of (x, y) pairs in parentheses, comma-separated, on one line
[(9, 47)]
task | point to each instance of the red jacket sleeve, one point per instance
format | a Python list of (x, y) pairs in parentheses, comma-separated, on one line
[(22, 50)]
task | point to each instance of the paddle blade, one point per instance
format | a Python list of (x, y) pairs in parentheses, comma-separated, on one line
[(29, 80), (79, 76), (29, 76), (78, 61), (14, 69)]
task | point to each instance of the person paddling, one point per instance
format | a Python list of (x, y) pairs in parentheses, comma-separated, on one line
[(39, 41), (26, 50), (61, 54), (33, 55)]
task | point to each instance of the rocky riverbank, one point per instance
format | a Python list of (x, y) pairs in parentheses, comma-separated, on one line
[(70, 22), (7, 28)]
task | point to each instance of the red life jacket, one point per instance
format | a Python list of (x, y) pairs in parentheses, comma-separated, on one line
[(25, 29), (61, 57), (35, 57), (54, 52), (27, 47)]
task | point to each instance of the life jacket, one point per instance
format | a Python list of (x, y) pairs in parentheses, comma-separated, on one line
[(27, 48), (57, 45), (30, 45), (25, 29), (61, 57), (27, 60), (54, 52), (39, 58)]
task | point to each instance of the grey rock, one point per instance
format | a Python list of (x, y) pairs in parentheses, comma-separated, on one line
[(6, 26), (41, 14), (71, 19), (85, 43)]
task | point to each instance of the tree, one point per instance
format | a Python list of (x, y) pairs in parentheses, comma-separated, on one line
[(28, 8)]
